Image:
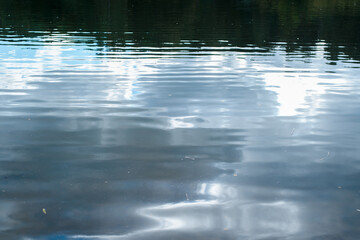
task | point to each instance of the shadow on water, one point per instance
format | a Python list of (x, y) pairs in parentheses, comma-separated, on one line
[(179, 120)]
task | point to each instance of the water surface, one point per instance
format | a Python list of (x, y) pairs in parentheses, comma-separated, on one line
[(179, 120)]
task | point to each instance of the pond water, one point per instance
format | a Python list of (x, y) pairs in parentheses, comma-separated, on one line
[(201, 119)]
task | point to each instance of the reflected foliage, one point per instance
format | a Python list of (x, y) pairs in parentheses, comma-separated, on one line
[(300, 24)]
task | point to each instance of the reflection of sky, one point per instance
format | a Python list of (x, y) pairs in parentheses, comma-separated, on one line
[(146, 142), (298, 88)]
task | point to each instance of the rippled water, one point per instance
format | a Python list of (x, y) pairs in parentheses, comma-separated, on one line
[(193, 120)]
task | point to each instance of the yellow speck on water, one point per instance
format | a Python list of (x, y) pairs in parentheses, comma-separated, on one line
[(235, 174), (44, 210)]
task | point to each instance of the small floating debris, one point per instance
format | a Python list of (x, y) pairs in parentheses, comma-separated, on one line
[(358, 210), (44, 210)]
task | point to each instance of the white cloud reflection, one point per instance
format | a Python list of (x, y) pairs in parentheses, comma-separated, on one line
[(237, 216), (298, 89)]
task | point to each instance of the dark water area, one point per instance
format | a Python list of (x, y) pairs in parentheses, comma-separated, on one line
[(201, 119)]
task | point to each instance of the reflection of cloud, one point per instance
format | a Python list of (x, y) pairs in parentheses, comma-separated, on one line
[(292, 91), (123, 76), (298, 89), (128, 71), (254, 218), (21, 63), (235, 215), (182, 216), (16, 71), (246, 215), (21, 68)]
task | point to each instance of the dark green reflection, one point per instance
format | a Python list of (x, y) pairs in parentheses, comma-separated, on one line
[(299, 24)]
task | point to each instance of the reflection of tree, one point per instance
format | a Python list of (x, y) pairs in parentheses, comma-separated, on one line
[(157, 22)]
